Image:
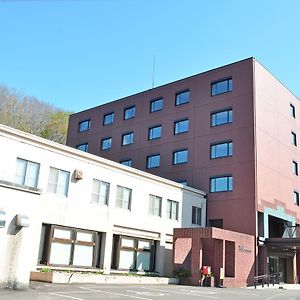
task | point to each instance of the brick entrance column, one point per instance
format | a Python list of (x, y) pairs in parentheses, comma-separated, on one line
[(196, 259)]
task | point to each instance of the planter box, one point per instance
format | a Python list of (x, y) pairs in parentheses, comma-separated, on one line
[(64, 277)]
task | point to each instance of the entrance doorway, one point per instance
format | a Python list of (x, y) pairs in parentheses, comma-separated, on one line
[(282, 266)]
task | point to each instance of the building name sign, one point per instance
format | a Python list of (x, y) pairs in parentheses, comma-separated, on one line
[(245, 250)]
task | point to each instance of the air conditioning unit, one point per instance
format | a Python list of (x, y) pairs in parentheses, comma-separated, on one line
[(78, 174)]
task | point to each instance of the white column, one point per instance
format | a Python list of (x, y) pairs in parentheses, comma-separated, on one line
[(108, 239)]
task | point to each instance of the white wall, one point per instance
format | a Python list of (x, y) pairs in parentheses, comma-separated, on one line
[(19, 250)]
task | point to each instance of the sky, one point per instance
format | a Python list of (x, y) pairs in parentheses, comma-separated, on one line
[(83, 53)]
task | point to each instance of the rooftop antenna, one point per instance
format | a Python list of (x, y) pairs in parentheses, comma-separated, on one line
[(153, 71)]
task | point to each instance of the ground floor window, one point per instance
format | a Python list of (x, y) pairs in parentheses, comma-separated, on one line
[(133, 254), (67, 246)]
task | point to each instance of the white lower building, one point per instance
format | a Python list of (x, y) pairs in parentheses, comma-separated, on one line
[(61, 207)]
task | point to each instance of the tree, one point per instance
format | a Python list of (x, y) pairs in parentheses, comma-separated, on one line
[(29, 114)]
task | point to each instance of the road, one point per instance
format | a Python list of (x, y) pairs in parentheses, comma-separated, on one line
[(44, 291)]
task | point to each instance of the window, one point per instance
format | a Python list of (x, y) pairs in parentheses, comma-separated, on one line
[(296, 198), (182, 98), (127, 138), (181, 126), (83, 147), (156, 105), (129, 113), (221, 117), (84, 125), (68, 247), (58, 182), (108, 118), (218, 223), (294, 138), (180, 157), (27, 173), (100, 192), (183, 182), (127, 162), (123, 197), (154, 132), (220, 87), (221, 184), (196, 215), (153, 161), (292, 110), (295, 168), (221, 150), (172, 209), (106, 143), (155, 205)]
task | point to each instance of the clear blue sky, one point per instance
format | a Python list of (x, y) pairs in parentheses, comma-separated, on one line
[(79, 54)]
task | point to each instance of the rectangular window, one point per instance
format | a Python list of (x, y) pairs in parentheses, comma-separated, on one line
[(182, 98), (83, 147), (221, 184), (220, 87), (196, 215), (180, 157), (221, 150), (108, 118), (58, 182), (27, 173), (155, 205), (296, 198), (292, 110), (100, 192), (84, 125), (172, 209), (221, 117), (129, 113), (218, 223), (127, 139), (106, 143), (127, 162), (181, 126), (156, 105), (183, 182), (123, 197), (153, 161), (154, 132), (294, 138), (295, 168)]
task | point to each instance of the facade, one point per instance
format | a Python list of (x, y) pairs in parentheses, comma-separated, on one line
[(232, 131), (61, 207)]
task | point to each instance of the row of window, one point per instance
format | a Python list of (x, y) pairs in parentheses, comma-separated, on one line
[(181, 98), (294, 163), (27, 174)]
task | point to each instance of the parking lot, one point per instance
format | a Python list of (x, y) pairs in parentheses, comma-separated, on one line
[(43, 291)]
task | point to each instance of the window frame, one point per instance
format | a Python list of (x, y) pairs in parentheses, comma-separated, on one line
[(178, 131), (55, 184), (88, 121), (229, 111), (296, 198), (196, 215), (170, 213), (130, 108), (292, 110), (152, 156), (177, 152), (120, 202), (106, 201), (152, 207), (153, 109), (26, 171), (107, 115), (124, 135), (228, 88), (150, 130), (229, 183), (104, 140), (178, 102), (294, 138), (295, 167), (228, 149)]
